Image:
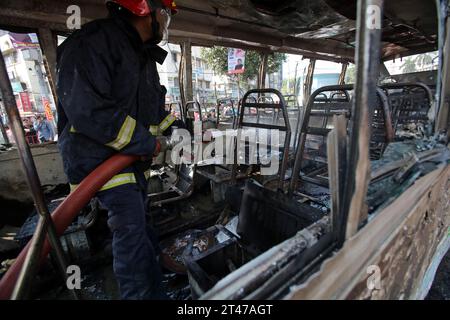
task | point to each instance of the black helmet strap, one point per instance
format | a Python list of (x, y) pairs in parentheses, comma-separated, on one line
[(155, 28)]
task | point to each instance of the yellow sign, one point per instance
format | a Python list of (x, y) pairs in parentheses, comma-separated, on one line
[(48, 110)]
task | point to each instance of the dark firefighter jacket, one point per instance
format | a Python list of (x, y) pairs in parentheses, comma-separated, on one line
[(110, 99)]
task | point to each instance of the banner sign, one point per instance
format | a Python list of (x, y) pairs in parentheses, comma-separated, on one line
[(30, 41), (24, 45), (236, 61), (19, 103), (26, 104), (48, 109)]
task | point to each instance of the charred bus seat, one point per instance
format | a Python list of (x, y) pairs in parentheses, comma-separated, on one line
[(323, 105), (195, 113), (266, 218), (410, 104), (261, 113), (227, 113), (295, 115), (382, 128), (176, 109)]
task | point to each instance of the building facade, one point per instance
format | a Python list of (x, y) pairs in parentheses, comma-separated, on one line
[(26, 71), (202, 75), (207, 86)]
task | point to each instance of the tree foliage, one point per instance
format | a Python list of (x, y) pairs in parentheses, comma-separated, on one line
[(217, 59), (420, 62), (409, 66), (350, 76)]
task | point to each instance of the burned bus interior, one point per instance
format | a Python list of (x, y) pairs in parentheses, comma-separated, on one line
[(244, 229)]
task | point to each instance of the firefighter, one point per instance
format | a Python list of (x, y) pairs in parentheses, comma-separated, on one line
[(111, 101)]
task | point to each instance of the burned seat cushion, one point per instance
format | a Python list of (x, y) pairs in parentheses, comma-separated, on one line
[(267, 218)]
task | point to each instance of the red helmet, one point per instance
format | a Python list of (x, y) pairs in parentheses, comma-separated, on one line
[(142, 8)]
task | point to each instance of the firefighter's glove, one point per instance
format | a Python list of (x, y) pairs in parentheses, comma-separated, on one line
[(162, 144)]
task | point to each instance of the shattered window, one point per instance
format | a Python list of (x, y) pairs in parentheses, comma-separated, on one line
[(326, 73), (295, 69), (350, 75), (417, 63)]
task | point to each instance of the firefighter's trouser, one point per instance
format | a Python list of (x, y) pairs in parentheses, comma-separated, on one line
[(135, 266)]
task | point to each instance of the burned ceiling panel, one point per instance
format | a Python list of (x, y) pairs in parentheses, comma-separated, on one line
[(410, 26), (324, 27), (298, 18), (415, 14)]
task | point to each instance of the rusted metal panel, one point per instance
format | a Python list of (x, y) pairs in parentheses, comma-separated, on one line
[(405, 259), (358, 166), (401, 240)]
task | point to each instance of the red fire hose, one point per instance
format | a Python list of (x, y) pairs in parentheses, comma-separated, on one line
[(67, 212)]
